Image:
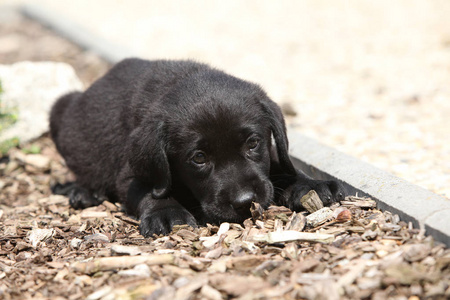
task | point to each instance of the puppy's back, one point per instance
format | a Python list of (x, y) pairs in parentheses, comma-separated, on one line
[(91, 129)]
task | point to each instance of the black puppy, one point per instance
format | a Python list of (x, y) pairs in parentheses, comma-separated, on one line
[(179, 143)]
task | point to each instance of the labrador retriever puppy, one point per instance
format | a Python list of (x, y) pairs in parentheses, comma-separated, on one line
[(178, 142)]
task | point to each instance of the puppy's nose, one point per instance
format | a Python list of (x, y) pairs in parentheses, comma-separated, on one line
[(243, 201)]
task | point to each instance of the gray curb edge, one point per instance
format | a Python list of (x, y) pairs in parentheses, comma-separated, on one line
[(423, 208), (412, 203), (74, 32)]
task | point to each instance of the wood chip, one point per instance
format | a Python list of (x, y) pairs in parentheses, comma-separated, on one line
[(311, 201), (86, 214), (245, 262), (290, 235), (97, 237), (127, 219), (416, 252), (125, 250), (233, 285), (297, 222), (211, 293), (359, 202), (37, 235), (122, 262), (318, 217)]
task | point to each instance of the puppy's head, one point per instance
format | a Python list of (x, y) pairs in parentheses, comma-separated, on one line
[(212, 137)]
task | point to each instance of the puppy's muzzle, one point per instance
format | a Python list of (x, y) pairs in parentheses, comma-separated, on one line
[(241, 204)]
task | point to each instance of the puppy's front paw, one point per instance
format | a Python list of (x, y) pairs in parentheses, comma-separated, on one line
[(329, 192), (161, 221), (81, 198)]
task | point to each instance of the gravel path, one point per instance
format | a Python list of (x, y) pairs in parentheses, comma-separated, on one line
[(368, 78)]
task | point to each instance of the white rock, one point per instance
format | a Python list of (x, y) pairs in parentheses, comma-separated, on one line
[(31, 88)]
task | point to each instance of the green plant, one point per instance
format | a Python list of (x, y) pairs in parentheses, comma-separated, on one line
[(32, 149), (7, 116), (8, 144)]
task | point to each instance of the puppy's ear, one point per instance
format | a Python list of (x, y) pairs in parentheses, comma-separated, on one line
[(148, 158), (278, 127)]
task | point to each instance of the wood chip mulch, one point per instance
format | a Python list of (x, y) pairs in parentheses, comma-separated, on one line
[(352, 250)]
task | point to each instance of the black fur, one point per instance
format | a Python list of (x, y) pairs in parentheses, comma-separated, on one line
[(179, 143)]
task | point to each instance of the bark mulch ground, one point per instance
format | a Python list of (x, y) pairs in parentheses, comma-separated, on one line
[(49, 250)]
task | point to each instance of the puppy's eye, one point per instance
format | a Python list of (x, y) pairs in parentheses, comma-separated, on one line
[(253, 143), (199, 158)]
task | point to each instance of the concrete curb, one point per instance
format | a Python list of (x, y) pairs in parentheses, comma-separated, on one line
[(413, 204), (76, 33)]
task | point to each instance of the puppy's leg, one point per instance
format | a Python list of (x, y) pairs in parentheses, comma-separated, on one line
[(157, 216), (79, 197), (63, 188), (290, 189)]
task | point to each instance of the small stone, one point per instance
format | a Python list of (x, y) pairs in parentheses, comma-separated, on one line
[(31, 88)]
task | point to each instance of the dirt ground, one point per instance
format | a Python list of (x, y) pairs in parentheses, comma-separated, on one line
[(50, 251)]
